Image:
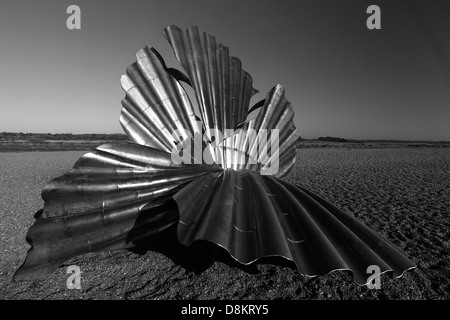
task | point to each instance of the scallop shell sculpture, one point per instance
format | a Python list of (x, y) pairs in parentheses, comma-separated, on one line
[(123, 195)]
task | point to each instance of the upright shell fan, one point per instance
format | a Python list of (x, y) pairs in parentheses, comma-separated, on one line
[(227, 190)]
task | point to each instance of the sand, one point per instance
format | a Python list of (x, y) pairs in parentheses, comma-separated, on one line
[(402, 193)]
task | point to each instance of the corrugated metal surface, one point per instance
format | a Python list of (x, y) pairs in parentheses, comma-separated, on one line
[(223, 89), (276, 113), (114, 196), (156, 105), (123, 194), (254, 216)]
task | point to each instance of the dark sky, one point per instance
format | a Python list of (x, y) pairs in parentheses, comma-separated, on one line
[(342, 79)]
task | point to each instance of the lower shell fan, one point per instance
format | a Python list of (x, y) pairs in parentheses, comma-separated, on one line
[(254, 216), (125, 195)]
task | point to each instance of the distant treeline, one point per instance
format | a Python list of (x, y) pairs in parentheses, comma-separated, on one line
[(62, 136), (332, 139)]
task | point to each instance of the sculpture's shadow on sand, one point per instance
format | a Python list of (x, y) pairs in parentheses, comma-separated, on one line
[(200, 255)]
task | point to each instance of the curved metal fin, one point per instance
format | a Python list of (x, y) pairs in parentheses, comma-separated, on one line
[(257, 105), (177, 74), (266, 143), (156, 106), (114, 196), (254, 216), (223, 89)]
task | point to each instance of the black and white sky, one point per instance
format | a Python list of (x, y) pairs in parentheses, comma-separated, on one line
[(343, 79)]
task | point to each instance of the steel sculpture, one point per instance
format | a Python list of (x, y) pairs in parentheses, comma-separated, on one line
[(122, 195)]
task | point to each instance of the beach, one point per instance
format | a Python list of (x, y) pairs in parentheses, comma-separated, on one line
[(401, 193)]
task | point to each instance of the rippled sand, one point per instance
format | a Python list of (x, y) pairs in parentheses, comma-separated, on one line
[(403, 194)]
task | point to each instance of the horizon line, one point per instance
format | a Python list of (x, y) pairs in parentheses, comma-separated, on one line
[(300, 138)]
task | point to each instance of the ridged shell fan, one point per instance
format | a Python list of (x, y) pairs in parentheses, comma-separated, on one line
[(123, 195)]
